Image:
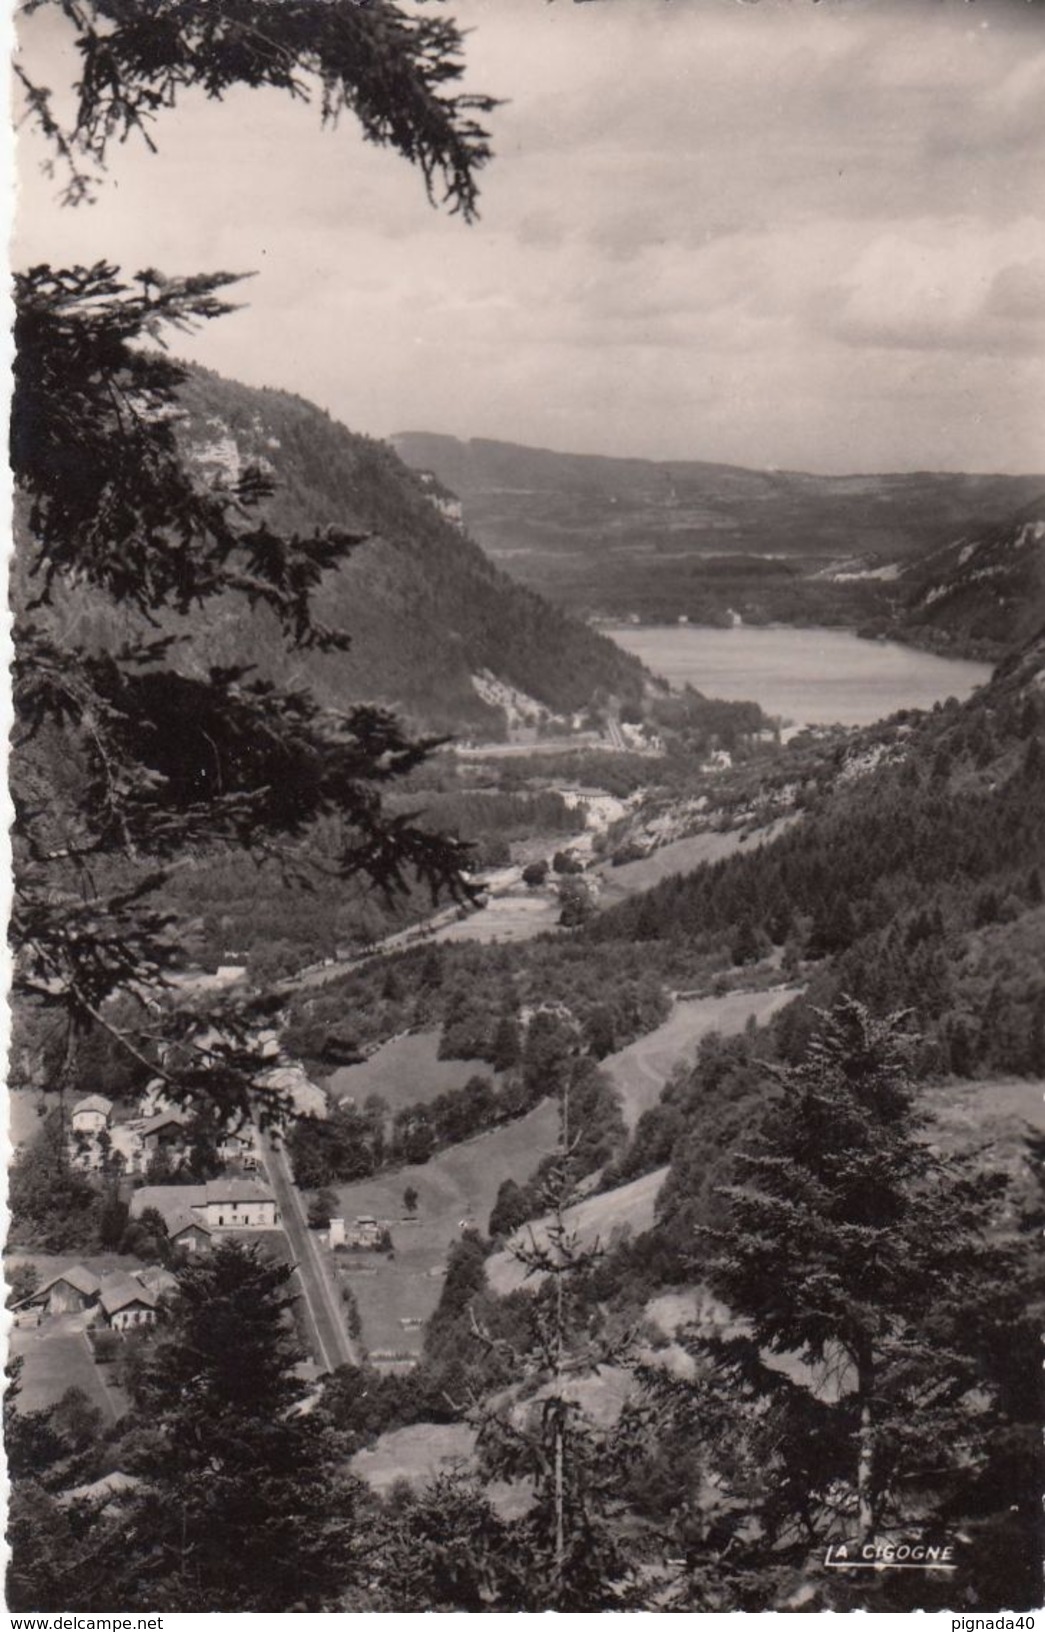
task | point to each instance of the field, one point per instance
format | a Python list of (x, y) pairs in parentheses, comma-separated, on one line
[(640, 1070), (456, 1187), (418, 1454), (994, 1119), (596, 1218), (987, 1109), (515, 917), (460, 1185), (680, 856), (56, 1357), (405, 1071)]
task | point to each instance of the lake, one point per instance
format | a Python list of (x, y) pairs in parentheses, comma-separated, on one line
[(803, 676)]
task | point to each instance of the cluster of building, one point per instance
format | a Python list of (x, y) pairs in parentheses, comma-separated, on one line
[(98, 1136), (118, 1300), (195, 1213), (96, 1139)]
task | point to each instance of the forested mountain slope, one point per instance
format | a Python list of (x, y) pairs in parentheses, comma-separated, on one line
[(914, 879), (424, 606), (984, 591)]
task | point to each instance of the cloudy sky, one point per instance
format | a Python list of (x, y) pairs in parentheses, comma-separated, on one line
[(771, 232)]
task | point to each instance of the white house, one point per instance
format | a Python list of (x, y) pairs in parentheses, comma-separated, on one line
[(125, 1302), (92, 1115), (239, 1147), (220, 1204), (237, 1204)]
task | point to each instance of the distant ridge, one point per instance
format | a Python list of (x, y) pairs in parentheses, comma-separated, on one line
[(524, 497), (637, 538)]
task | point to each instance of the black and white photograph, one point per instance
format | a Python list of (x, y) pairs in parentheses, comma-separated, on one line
[(526, 989)]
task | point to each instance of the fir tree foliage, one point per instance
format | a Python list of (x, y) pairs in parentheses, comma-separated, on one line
[(243, 1504), (870, 1302), (129, 758), (566, 1553), (394, 70)]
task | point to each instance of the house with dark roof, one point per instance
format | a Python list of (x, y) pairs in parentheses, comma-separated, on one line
[(125, 1302), (187, 1232), (76, 1288), (165, 1128)]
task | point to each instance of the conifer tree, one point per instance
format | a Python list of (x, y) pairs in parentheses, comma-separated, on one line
[(566, 1553), (859, 1381), (244, 1504), (125, 756)]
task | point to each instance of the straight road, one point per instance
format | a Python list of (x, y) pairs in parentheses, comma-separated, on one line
[(334, 1347)]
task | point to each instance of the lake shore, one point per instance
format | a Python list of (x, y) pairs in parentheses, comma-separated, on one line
[(814, 676)]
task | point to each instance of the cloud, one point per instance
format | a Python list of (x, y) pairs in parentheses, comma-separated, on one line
[(770, 233), (940, 285), (1018, 292)]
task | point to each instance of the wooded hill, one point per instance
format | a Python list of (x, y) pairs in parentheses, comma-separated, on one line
[(662, 539), (983, 592), (423, 605), (913, 881)]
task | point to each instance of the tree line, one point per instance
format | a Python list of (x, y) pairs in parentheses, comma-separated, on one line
[(874, 1376)]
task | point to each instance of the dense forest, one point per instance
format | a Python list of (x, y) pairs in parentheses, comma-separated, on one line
[(417, 570)]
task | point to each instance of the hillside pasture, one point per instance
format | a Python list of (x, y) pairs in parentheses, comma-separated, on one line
[(994, 1119), (681, 856), (973, 1110), (56, 1356), (417, 1454), (639, 1071), (406, 1071), (629, 1207), (420, 1453), (457, 1187), (516, 916)]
